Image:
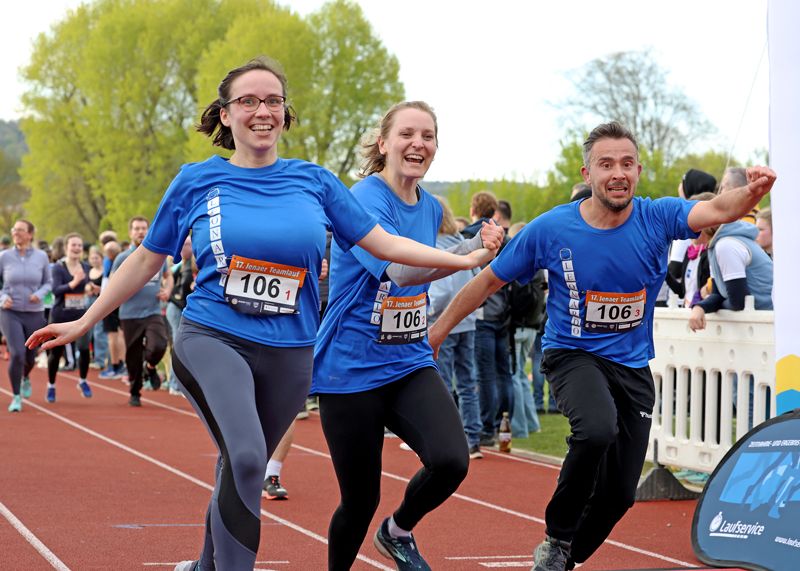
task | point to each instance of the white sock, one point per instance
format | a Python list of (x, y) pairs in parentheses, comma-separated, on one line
[(395, 531), (273, 468), (82, 381)]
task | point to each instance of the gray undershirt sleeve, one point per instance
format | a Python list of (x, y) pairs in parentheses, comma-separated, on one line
[(404, 275)]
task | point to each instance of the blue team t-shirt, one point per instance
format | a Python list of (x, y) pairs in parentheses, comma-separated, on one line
[(276, 214), (602, 283), (355, 351)]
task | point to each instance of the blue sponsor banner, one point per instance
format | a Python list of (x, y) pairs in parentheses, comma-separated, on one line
[(749, 512)]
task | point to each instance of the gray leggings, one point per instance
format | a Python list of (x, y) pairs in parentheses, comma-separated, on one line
[(247, 394), (17, 326)]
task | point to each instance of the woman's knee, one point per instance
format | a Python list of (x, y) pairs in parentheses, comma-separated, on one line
[(249, 463)]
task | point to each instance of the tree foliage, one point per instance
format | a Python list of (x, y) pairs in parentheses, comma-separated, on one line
[(116, 88), (632, 88)]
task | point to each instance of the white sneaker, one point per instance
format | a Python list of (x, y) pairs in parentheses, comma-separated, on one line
[(186, 566)]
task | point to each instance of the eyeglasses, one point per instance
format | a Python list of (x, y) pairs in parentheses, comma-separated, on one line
[(18, 230), (250, 102)]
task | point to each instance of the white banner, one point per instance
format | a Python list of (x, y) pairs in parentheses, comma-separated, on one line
[(783, 19)]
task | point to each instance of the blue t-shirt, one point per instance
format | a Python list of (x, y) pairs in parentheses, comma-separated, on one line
[(276, 214), (145, 302), (602, 283), (348, 357)]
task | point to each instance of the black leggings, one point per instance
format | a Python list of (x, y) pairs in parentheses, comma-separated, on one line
[(609, 409), (55, 354), (421, 411)]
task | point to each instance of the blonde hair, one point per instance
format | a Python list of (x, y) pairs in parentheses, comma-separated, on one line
[(448, 225), (373, 161)]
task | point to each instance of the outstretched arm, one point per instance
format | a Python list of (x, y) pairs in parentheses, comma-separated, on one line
[(385, 246), (465, 302), (735, 203), (131, 276)]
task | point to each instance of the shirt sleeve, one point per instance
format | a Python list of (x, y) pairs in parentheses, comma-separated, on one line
[(170, 224), (673, 214), (520, 258), (350, 221), (733, 258)]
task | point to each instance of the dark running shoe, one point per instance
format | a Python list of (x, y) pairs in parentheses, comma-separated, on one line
[(135, 400), (551, 555), (403, 550), (274, 489), (152, 376), (475, 452)]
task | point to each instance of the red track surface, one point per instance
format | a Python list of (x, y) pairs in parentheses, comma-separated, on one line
[(96, 484)]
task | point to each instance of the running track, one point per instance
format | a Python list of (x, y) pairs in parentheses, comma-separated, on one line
[(96, 484)]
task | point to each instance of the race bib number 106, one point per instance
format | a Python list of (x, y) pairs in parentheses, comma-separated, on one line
[(614, 312), (257, 287), (403, 320)]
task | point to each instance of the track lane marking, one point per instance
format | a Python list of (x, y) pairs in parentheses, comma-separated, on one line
[(185, 476), (514, 513), (31, 538)]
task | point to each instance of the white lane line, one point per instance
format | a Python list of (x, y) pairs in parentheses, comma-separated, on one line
[(28, 535), (521, 459), (185, 476), (514, 513)]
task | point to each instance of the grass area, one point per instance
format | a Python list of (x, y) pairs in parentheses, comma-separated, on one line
[(550, 441)]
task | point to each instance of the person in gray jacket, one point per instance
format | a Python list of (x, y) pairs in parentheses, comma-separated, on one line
[(26, 280), (456, 360)]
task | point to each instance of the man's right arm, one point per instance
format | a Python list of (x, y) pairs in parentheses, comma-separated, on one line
[(465, 302)]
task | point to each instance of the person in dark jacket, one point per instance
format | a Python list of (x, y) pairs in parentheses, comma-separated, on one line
[(70, 278)]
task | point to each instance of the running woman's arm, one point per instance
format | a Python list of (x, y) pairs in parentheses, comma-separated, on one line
[(126, 281), (385, 246), (465, 302), (734, 203), (490, 237)]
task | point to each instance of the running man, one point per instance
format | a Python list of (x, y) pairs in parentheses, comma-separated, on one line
[(606, 256)]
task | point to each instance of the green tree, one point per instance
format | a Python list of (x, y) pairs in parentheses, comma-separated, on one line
[(12, 193), (355, 81), (631, 87)]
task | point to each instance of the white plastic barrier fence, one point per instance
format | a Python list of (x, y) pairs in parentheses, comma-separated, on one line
[(700, 375)]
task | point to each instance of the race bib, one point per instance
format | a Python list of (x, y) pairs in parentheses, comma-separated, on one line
[(258, 287), (403, 320), (614, 312), (74, 301)]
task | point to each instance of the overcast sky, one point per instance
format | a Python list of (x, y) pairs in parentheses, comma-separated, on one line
[(494, 70)]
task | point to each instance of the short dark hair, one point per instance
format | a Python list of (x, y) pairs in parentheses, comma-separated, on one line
[(137, 219), (612, 130), (210, 120), (504, 209)]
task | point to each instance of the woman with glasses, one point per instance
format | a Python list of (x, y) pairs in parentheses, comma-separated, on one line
[(244, 350), (373, 365), (26, 280)]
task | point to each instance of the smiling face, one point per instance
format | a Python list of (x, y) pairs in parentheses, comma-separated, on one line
[(613, 172), (74, 248), (255, 133), (410, 145)]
